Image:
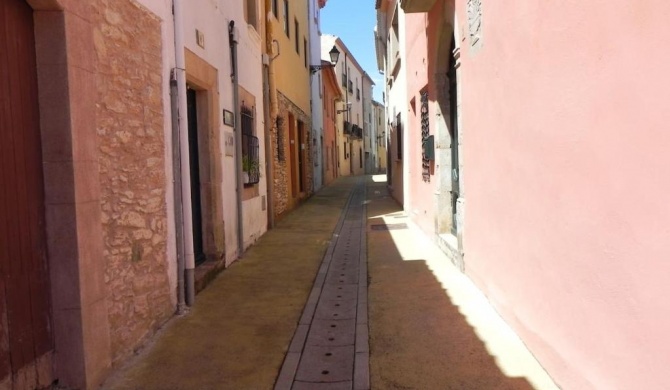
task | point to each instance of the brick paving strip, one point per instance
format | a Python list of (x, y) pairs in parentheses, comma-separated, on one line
[(330, 349)]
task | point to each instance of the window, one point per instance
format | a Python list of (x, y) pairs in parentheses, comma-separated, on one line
[(297, 36), (275, 9), (251, 13), (250, 155), (304, 50), (344, 79), (345, 150), (286, 26), (398, 133)]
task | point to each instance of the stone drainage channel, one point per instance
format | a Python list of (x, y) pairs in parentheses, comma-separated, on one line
[(330, 347)]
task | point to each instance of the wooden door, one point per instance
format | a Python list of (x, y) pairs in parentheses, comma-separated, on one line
[(194, 165), (301, 156), (453, 125), (25, 303)]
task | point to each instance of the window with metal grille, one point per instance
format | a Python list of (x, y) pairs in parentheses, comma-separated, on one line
[(250, 156), (425, 134), (398, 133)]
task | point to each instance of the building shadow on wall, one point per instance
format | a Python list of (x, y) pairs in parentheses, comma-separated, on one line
[(419, 338)]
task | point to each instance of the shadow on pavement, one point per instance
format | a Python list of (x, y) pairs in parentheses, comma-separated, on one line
[(419, 339)]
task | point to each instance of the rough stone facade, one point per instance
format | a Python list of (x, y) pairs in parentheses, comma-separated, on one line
[(282, 168), (130, 119)]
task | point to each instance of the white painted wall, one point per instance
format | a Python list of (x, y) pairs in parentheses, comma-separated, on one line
[(396, 97), (316, 95), (211, 17), (367, 125)]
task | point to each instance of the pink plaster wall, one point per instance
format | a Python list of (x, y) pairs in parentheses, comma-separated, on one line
[(422, 193), (565, 168)]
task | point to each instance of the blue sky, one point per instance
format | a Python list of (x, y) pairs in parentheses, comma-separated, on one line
[(354, 22)]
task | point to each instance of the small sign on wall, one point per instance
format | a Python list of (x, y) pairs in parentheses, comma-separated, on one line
[(229, 143), (200, 38), (228, 118)]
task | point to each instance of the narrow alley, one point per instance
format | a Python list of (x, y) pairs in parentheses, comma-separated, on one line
[(334, 194), (299, 317)]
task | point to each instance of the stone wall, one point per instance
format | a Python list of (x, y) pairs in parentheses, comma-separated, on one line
[(130, 119), (282, 176)]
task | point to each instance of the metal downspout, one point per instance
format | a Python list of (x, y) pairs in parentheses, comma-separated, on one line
[(269, 176), (187, 214), (273, 110), (232, 37), (176, 185)]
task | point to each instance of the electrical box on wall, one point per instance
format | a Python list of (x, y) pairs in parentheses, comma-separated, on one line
[(428, 146)]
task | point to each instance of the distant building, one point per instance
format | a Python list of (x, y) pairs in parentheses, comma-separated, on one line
[(350, 127), (292, 138), (379, 127), (332, 95)]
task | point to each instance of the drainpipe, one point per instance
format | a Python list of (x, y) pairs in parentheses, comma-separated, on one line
[(269, 174), (346, 106), (176, 173), (273, 106), (232, 38), (187, 218)]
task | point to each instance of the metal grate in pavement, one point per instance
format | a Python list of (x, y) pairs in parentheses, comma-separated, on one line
[(330, 346)]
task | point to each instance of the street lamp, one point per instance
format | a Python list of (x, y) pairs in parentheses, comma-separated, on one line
[(334, 56)]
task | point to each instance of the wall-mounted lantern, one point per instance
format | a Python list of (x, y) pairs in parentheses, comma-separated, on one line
[(334, 56)]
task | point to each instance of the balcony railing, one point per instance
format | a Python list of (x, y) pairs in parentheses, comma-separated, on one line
[(352, 130), (357, 132), (347, 128)]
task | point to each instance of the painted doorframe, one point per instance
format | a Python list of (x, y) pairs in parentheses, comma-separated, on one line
[(449, 212), (203, 78)]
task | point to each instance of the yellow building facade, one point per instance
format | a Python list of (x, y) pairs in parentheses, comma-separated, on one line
[(287, 43)]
